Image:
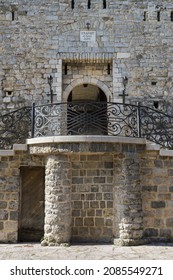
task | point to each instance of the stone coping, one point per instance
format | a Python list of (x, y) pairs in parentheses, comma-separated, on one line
[(85, 139), (16, 147)]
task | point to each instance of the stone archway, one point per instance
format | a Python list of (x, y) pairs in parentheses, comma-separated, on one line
[(87, 80), (87, 93)]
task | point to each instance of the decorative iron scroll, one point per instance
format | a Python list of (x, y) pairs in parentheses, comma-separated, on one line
[(85, 118), (15, 127), (156, 127), (115, 119)]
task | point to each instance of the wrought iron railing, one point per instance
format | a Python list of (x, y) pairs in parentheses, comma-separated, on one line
[(86, 118), (82, 118), (15, 127)]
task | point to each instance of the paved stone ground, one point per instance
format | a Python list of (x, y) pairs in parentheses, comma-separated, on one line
[(34, 251)]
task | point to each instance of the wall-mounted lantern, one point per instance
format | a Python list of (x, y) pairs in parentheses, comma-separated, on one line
[(125, 82), (50, 82)]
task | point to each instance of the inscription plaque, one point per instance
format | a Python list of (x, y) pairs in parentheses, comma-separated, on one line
[(87, 36)]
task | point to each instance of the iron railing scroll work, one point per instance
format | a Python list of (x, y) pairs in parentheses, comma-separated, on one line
[(86, 118), (15, 127)]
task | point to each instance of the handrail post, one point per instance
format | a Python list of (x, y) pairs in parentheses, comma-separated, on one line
[(33, 120), (139, 119)]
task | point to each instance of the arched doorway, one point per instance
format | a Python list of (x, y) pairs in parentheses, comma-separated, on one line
[(87, 93), (87, 111)]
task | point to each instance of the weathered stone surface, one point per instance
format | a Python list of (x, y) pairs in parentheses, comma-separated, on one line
[(57, 214)]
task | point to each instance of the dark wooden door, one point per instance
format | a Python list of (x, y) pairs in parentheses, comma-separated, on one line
[(31, 225)]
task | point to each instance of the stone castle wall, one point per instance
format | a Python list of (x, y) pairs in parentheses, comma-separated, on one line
[(38, 39), (108, 193)]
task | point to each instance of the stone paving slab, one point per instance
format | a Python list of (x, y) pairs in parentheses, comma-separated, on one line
[(34, 251)]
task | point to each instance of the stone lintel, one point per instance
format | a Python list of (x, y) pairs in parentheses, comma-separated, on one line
[(87, 57)]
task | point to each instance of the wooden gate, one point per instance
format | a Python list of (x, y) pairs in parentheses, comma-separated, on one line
[(31, 224)]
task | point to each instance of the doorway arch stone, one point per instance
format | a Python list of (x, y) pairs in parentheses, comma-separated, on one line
[(87, 80)]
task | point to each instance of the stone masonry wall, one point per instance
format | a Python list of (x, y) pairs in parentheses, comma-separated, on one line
[(137, 34), (157, 196), (120, 192), (92, 198)]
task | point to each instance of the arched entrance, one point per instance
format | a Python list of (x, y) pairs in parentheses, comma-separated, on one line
[(87, 110), (87, 93)]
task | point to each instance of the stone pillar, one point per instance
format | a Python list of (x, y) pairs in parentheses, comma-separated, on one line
[(128, 200), (117, 82), (57, 200)]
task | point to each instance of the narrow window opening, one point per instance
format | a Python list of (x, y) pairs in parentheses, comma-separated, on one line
[(156, 104), (145, 16), (104, 4), (65, 69), (109, 69), (158, 16), (13, 15), (89, 4), (8, 93), (172, 16), (72, 4), (153, 83)]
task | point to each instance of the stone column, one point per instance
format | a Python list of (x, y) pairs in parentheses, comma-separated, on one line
[(128, 201), (57, 200), (117, 82)]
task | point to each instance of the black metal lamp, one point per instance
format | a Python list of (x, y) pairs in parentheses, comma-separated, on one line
[(125, 82), (50, 82)]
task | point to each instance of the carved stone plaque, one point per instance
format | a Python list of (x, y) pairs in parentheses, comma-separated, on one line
[(87, 36)]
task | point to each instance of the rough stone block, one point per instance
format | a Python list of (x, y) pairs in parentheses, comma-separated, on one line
[(94, 204), (77, 204), (150, 232), (149, 188), (13, 215), (3, 215), (1, 225), (3, 204), (91, 212), (99, 222), (83, 231), (99, 179), (158, 204), (108, 196), (169, 222), (88, 222), (90, 196), (78, 222)]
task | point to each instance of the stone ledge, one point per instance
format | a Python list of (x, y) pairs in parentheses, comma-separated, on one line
[(6, 153), (85, 139), (166, 153), (16, 147), (20, 147), (152, 147)]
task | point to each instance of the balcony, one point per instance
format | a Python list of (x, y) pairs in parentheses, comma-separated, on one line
[(86, 118)]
